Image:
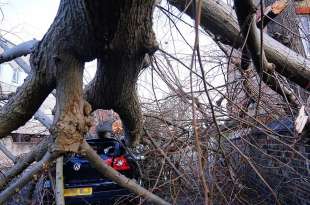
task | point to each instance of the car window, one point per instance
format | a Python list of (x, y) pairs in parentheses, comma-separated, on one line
[(109, 148)]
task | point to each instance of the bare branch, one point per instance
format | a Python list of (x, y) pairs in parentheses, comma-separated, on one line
[(246, 13), (5, 45), (18, 51), (120, 179), (43, 118), (13, 113), (59, 190), (218, 18), (21, 107)]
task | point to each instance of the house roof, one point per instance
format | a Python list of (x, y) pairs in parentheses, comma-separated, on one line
[(32, 127)]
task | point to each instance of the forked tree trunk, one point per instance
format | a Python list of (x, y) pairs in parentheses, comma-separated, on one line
[(119, 33)]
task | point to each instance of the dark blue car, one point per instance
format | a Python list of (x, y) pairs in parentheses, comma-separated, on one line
[(85, 185)]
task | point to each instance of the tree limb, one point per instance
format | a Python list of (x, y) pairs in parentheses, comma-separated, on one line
[(6, 45), (28, 47), (22, 49), (218, 18), (21, 107), (120, 179), (246, 13)]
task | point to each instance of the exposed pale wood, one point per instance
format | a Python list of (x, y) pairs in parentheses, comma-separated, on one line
[(59, 189), (301, 120)]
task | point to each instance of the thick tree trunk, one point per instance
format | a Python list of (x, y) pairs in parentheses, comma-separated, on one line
[(117, 90), (114, 86), (72, 112), (118, 32)]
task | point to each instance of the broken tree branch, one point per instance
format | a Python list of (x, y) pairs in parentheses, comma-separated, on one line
[(6, 45), (246, 13), (29, 96), (218, 18), (24, 104), (120, 179)]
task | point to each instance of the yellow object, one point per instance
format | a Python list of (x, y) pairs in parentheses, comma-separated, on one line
[(85, 191)]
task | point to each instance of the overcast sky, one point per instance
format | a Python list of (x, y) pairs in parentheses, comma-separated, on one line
[(27, 19)]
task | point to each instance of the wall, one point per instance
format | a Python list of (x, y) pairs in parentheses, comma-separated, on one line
[(281, 158)]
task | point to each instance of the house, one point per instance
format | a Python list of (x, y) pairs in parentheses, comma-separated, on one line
[(23, 139)]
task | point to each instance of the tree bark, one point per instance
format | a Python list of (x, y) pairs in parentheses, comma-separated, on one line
[(115, 89), (7, 153), (71, 121), (118, 33), (114, 86)]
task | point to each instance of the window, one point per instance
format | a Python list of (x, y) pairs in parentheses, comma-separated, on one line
[(15, 76)]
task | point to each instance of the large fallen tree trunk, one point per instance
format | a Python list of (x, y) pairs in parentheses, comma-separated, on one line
[(246, 13), (219, 19)]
